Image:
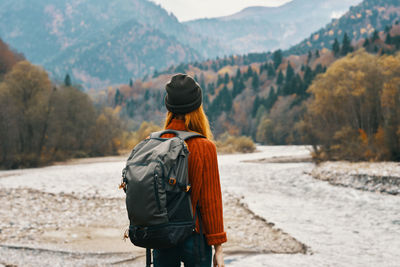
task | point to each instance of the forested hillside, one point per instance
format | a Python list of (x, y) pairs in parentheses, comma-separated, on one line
[(258, 95), (360, 22)]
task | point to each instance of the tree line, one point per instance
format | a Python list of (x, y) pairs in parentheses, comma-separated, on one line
[(41, 122)]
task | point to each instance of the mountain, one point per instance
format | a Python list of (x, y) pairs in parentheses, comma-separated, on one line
[(65, 35), (359, 22), (259, 29), (129, 50)]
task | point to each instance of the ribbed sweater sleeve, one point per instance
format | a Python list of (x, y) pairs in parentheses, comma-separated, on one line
[(211, 198)]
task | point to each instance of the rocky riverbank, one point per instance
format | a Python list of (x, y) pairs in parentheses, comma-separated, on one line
[(381, 177), (42, 228)]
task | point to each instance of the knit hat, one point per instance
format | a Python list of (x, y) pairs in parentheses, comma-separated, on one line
[(183, 94)]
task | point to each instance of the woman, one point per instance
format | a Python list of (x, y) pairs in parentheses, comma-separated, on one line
[(185, 113)]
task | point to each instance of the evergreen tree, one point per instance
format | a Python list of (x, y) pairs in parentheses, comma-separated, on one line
[(226, 78), (214, 66), (271, 71), (155, 74), (280, 78), (256, 105), (226, 99), (147, 95), (375, 36), (309, 57), (220, 80), (249, 72), (346, 45), (336, 47), (289, 73), (388, 39), (238, 74), (206, 101), (130, 108), (279, 91), (238, 87), (318, 69), (366, 43), (308, 76), (211, 88), (299, 87), (67, 80), (118, 98), (255, 83), (317, 53), (277, 58), (272, 97), (130, 83), (202, 81)]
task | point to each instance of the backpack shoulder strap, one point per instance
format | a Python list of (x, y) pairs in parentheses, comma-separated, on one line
[(187, 135), (181, 134)]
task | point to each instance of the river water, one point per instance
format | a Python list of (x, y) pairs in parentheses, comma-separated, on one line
[(341, 226)]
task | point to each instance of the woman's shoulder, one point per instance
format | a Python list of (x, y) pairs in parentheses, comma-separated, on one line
[(201, 145)]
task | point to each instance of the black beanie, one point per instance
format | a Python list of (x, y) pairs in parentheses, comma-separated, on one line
[(183, 94)]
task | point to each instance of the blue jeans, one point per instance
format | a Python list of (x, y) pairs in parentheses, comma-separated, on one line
[(188, 252)]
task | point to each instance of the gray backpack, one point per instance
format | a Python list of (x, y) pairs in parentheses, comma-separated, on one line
[(157, 188)]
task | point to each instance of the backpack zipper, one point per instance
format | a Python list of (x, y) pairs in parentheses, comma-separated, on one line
[(156, 191)]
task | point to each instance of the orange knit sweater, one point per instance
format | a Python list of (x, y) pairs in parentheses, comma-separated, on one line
[(206, 188)]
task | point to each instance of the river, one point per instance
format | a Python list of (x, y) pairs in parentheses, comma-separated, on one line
[(340, 226)]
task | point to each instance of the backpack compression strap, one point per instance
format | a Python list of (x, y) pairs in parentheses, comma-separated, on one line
[(181, 134)]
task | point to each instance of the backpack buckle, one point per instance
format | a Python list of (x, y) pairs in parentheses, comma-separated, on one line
[(187, 188), (122, 185), (172, 181)]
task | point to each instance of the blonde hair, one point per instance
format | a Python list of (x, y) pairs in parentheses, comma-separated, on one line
[(195, 121)]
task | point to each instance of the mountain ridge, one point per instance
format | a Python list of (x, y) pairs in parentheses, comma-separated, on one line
[(45, 30), (260, 29)]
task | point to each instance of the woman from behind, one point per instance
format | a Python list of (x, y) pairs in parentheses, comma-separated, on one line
[(185, 113)]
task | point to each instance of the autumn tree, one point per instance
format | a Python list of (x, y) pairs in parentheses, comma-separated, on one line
[(27, 90), (8, 58), (41, 122), (355, 108)]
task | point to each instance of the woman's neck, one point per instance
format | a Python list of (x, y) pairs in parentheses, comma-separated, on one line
[(179, 116)]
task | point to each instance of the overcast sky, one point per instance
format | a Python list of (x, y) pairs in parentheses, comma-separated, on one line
[(193, 9)]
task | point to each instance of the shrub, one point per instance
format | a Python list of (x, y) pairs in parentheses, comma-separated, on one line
[(233, 144)]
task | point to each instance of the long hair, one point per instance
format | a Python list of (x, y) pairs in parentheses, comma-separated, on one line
[(195, 121)]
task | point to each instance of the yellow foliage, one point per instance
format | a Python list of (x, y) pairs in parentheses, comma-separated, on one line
[(233, 144), (355, 109)]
